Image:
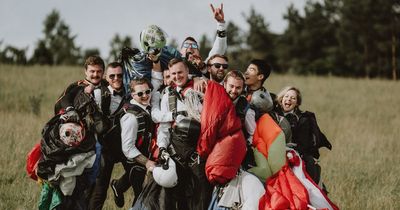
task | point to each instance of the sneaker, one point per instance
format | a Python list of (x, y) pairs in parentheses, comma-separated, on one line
[(118, 197)]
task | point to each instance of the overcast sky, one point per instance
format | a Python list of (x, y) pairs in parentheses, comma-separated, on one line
[(95, 22)]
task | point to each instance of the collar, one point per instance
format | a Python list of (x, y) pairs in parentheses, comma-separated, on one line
[(112, 89), (189, 84), (134, 102), (249, 91)]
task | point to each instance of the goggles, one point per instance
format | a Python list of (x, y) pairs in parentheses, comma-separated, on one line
[(192, 45)]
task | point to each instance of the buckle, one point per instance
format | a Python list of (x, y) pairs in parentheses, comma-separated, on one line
[(194, 158)]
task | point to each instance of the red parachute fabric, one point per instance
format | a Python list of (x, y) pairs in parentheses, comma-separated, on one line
[(284, 191), (221, 139), (318, 199), (32, 160)]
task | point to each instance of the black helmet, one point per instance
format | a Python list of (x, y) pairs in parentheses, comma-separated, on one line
[(261, 100)]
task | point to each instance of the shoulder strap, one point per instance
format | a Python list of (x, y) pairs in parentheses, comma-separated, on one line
[(141, 115), (172, 100)]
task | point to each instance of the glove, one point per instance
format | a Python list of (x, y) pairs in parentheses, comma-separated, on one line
[(70, 116), (127, 52), (178, 116), (163, 155)]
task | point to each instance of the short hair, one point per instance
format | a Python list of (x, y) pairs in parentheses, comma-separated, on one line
[(235, 74), (217, 56), (281, 93), (94, 60), (263, 68), (114, 64), (174, 61), (139, 81)]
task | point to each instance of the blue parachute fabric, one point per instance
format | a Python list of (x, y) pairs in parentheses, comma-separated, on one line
[(139, 66), (94, 171)]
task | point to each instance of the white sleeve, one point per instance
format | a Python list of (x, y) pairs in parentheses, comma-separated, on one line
[(220, 43), (156, 115), (250, 124), (129, 129), (156, 79), (163, 134)]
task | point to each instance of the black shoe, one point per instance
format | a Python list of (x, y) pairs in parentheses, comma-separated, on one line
[(118, 197)]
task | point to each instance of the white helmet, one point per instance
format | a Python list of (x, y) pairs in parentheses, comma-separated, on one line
[(262, 101), (166, 176), (71, 134)]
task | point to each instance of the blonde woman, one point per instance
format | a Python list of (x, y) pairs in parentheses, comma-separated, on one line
[(306, 134)]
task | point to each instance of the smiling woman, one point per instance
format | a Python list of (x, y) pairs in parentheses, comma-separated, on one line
[(307, 137)]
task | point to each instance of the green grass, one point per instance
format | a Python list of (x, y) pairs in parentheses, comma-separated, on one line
[(360, 117)]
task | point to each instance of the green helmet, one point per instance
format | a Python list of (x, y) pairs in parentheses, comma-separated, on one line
[(152, 39)]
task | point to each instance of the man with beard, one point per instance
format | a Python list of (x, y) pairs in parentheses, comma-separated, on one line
[(217, 66), (234, 86)]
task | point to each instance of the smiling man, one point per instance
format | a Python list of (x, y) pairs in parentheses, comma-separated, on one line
[(137, 129), (93, 86), (84, 101), (182, 135), (234, 86), (111, 152), (217, 66)]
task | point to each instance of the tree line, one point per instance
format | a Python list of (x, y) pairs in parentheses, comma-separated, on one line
[(331, 37)]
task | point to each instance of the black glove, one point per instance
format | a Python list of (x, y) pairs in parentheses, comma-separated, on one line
[(163, 155), (127, 52)]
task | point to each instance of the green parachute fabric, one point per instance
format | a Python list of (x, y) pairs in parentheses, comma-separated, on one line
[(50, 197), (269, 148)]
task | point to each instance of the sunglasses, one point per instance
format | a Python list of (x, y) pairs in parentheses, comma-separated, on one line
[(112, 76), (192, 45), (218, 65), (140, 94)]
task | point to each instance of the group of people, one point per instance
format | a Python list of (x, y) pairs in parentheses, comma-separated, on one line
[(166, 129)]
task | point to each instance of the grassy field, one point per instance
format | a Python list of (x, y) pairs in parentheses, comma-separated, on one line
[(360, 117)]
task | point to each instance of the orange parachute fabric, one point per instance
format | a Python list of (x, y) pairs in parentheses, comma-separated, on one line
[(269, 147)]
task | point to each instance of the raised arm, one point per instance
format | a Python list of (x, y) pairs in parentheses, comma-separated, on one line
[(220, 43)]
